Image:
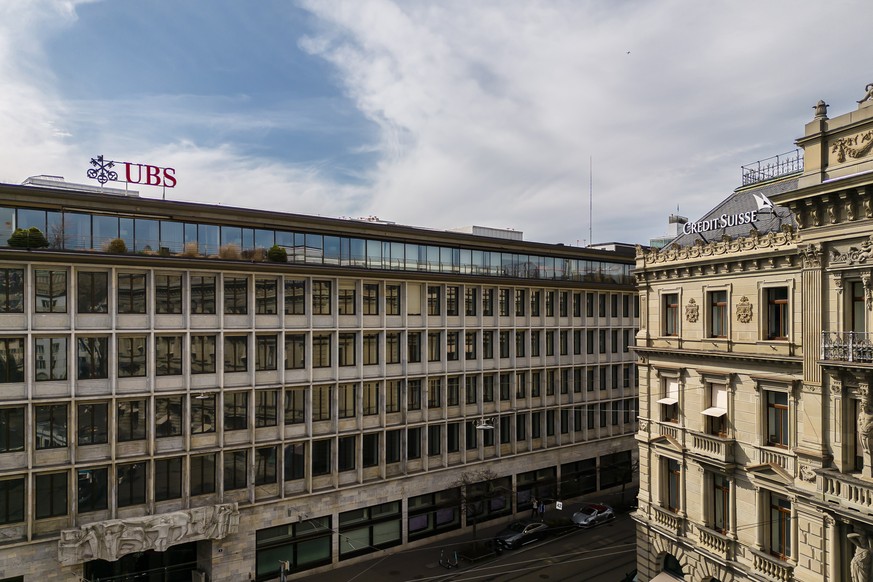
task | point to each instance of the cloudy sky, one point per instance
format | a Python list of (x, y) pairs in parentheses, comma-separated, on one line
[(436, 114)]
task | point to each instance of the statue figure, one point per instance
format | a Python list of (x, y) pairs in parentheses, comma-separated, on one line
[(860, 566), (865, 429), (869, 95)]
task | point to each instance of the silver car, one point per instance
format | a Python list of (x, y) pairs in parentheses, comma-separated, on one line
[(519, 533), (593, 514)]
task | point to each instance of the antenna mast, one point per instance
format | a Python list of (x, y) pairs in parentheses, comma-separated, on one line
[(590, 201)]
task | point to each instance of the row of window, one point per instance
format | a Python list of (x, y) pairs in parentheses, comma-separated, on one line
[(50, 295), (84, 231), (776, 313), (92, 357)]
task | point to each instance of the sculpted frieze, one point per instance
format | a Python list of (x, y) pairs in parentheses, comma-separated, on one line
[(755, 241), (855, 255), (855, 146)]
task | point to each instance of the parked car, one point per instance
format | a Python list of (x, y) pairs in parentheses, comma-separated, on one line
[(593, 514), (519, 533)]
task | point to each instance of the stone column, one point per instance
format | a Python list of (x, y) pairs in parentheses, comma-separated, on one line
[(832, 562), (810, 422)]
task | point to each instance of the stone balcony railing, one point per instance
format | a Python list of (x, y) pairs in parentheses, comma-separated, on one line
[(715, 543), (773, 567), (847, 346), (847, 490), (713, 447), (668, 521), (777, 457)]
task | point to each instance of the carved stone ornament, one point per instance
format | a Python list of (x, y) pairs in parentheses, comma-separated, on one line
[(114, 538), (744, 310), (856, 146), (692, 311), (811, 256), (644, 425), (806, 473), (869, 93), (855, 255), (755, 241)]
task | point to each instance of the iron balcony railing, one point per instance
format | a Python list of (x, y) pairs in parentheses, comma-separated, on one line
[(773, 167), (847, 346)]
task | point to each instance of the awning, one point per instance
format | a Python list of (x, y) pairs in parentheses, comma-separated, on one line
[(715, 411), (668, 401), (664, 577)]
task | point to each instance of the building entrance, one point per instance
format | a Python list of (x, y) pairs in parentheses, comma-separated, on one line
[(174, 565)]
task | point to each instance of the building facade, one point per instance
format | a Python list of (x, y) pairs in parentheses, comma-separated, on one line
[(207, 391), (755, 364)]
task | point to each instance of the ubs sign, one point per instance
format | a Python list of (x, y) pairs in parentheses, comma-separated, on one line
[(144, 174)]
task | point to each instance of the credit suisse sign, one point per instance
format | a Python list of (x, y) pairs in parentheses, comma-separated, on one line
[(144, 174)]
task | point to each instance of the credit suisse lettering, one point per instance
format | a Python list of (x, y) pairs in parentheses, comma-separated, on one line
[(149, 175), (723, 221)]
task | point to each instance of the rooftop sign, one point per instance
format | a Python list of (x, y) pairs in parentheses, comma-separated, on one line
[(727, 220), (144, 174)]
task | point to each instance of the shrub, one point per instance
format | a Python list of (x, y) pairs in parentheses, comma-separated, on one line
[(117, 246), (31, 238), (277, 254), (191, 250), (229, 252)]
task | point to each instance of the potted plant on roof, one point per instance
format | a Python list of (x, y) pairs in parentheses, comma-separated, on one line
[(28, 238)]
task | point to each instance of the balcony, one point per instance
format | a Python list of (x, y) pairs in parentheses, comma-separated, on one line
[(773, 167), (778, 457), (668, 521), (847, 490), (772, 567), (715, 543), (712, 447), (847, 346)]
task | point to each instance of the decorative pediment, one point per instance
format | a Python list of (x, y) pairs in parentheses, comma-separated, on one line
[(667, 442), (769, 474)]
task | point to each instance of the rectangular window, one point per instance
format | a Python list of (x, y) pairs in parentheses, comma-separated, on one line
[(504, 344), (131, 420), (168, 294), (488, 388), (371, 299), (520, 302), (50, 358), (370, 398), (453, 300), (321, 402), (453, 390), (392, 299), (471, 301), (295, 406), (413, 346), (717, 313), (51, 426), (346, 396), (236, 353), (392, 396), (131, 293), (413, 443), (503, 302), (168, 416), (11, 359), (720, 503), (11, 290), (716, 413), (393, 446), (236, 465), (92, 358), (12, 502), (780, 526), (236, 410), (321, 297), (471, 391), (433, 346), (392, 347), (371, 349), (202, 474), (346, 453), (601, 305), (434, 393), (505, 430), (236, 291), (564, 342), (132, 356), (50, 291), (536, 298), (550, 343), (563, 304), (535, 343), (470, 345), (168, 355), (295, 461), (11, 429), (488, 302), (203, 294), (370, 450), (265, 465), (130, 484), (91, 423), (346, 349), (50, 499), (433, 300), (266, 296), (550, 303), (777, 419), (413, 394), (453, 339), (266, 347), (613, 303), (577, 305), (520, 344), (857, 307), (488, 345), (504, 386), (670, 401), (295, 297), (92, 487), (777, 313), (92, 292), (346, 299), (295, 351), (321, 350), (434, 439), (203, 413), (202, 354), (168, 479), (674, 483)]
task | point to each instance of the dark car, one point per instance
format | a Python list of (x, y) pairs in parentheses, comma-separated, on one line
[(519, 533), (593, 514)]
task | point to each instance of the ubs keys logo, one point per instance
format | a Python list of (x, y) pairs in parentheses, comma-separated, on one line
[(145, 174)]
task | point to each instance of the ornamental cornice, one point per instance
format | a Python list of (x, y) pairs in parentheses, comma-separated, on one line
[(725, 246)]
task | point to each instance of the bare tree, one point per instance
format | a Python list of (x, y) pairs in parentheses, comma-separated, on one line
[(471, 498)]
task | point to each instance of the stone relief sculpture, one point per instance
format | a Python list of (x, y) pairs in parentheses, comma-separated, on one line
[(692, 311), (860, 566), (111, 539), (869, 95), (744, 310)]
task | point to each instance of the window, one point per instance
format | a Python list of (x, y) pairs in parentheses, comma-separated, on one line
[(487, 344), (168, 479), (321, 402), (777, 419), (471, 392), (131, 293), (346, 299), (550, 303), (236, 290), (265, 352), (393, 446), (92, 292), (346, 396), (413, 394), (550, 343), (716, 414), (202, 294), (295, 351), (471, 301), (236, 410), (392, 347), (535, 343), (613, 304), (202, 474), (371, 299), (131, 356), (295, 406), (413, 299), (321, 458), (371, 349), (51, 426), (601, 305), (413, 346), (453, 390), (434, 393), (392, 396), (453, 339), (504, 386), (536, 298), (346, 349), (503, 302), (265, 465), (577, 305), (504, 344), (295, 461), (721, 503), (589, 341), (601, 334), (130, 484), (50, 290), (236, 353), (11, 290), (589, 305), (295, 297), (266, 295), (535, 383), (453, 300), (346, 453), (131, 419), (168, 294), (857, 309), (321, 297), (321, 350), (168, 355), (670, 402), (674, 482), (433, 346), (520, 343), (520, 385), (235, 469), (433, 300), (93, 358), (168, 416), (434, 439), (11, 359), (777, 313), (91, 423), (203, 413), (370, 398), (717, 313), (488, 388), (780, 526), (520, 302), (50, 499), (563, 304), (202, 354), (564, 342), (92, 488), (12, 501), (11, 429), (50, 358), (392, 299), (369, 529), (488, 302), (304, 545)]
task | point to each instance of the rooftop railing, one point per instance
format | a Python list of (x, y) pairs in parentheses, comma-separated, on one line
[(773, 167)]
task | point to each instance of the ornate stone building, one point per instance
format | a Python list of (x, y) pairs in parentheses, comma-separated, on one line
[(755, 366)]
